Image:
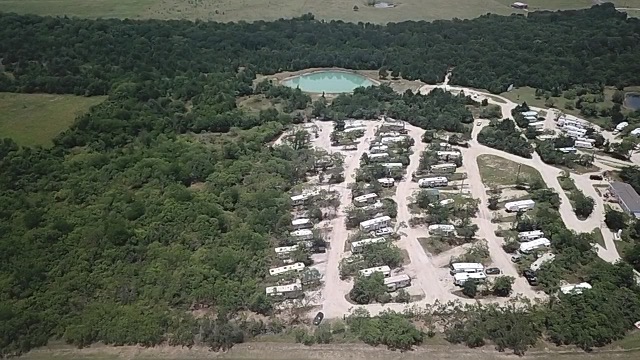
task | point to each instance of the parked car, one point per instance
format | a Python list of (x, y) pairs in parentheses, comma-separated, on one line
[(492, 271), (516, 258), (595, 177), (479, 123), (384, 231), (318, 319), (531, 277)]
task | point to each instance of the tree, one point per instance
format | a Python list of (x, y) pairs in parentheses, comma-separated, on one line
[(470, 288), (323, 334), (395, 74), (618, 97), (583, 205), (402, 296), (383, 73), (615, 220), (502, 285), (493, 202), (367, 289)]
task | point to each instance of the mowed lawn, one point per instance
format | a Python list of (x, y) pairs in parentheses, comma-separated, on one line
[(35, 119), (250, 10), (495, 170)]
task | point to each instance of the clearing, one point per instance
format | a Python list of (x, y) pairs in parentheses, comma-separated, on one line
[(250, 10), (35, 119), (496, 170)]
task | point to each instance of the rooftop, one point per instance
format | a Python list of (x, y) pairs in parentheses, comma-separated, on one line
[(628, 195)]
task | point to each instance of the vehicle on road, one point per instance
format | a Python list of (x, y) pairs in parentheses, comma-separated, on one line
[(595, 177), (492, 271), (531, 277), (479, 123), (318, 319), (516, 258)]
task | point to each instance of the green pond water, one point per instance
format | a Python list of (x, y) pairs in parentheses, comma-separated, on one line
[(330, 82)]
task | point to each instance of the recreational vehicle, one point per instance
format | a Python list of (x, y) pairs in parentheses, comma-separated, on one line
[(375, 224), (357, 246), (576, 289), (460, 278), (397, 282), (545, 258), (530, 235), (568, 150), (521, 205), (443, 168), (444, 155), (529, 113), (378, 156), (583, 144), (287, 268), (288, 291), (384, 270), (387, 182), (538, 125), (366, 198), (378, 149), (441, 229), (392, 165), (433, 182), (528, 247), (302, 234), (303, 223), (392, 139), (284, 251), (457, 268)]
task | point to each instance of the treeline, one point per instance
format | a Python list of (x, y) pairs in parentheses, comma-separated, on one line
[(83, 56)]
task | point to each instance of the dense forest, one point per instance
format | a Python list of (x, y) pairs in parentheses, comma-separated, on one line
[(546, 50), (167, 197)]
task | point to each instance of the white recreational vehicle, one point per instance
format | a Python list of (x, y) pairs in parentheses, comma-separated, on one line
[(303, 223), (545, 258), (433, 182), (375, 224), (441, 229), (378, 149), (392, 139), (460, 278), (378, 156), (375, 206), (387, 182), (366, 198), (285, 269), (448, 154), (530, 235), (397, 282), (446, 202), (287, 291), (576, 289), (302, 234), (568, 150), (357, 246), (384, 270), (538, 125), (620, 127), (284, 251), (457, 268), (529, 113), (583, 144), (443, 168), (392, 165), (520, 205), (527, 247)]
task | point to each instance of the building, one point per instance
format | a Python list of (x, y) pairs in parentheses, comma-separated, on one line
[(303, 223), (530, 235), (460, 278), (441, 229), (446, 155), (397, 282), (289, 291), (433, 182), (392, 165), (443, 168), (627, 197), (375, 224), (357, 246), (576, 289), (283, 252), (378, 149), (385, 270), (568, 150), (583, 144), (378, 156), (287, 268), (302, 234), (527, 247), (520, 205), (366, 198), (387, 182), (457, 268), (545, 258)]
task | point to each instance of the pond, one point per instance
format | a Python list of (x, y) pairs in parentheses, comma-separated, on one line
[(330, 82), (632, 101)]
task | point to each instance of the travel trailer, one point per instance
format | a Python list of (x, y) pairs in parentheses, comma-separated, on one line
[(521, 205)]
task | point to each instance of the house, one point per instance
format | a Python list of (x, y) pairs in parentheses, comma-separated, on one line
[(545, 258), (378, 149), (627, 197), (283, 252), (520, 205), (375, 224), (530, 235), (287, 268), (397, 282), (366, 198), (576, 289), (357, 246), (583, 144), (443, 168), (527, 247), (433, 182), (441, 229), (385, 270), (378, 156), (387, 182), (303, 223), (302, 234), (289, 291), (446, 155), (392, 165)]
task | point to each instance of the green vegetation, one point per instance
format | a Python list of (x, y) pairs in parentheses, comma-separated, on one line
[(35, 119), (582, 205), (496, 170), (369, 289), (503, 135)]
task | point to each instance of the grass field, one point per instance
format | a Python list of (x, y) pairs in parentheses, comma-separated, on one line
[(496, 170), (234, 10), (35, 119)]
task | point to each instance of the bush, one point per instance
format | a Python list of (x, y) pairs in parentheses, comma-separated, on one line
[(470, 288)]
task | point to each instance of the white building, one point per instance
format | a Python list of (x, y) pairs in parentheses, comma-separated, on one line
[(378, 156), (520, 205), (443, 168), (375, 224), (303, 223), (385, 270), (532, 245), (433, 182), (457, 268), (392, 165), (288, 291), (448, 154), (302, 234), (576, 289), (378, 149), (530, 235), (530, 113), (545, 258), (441, 229), (287, 268), (284, 251), (460, 278), (387, 182), (357, 246), (397, 282), (366, 198), (583, 144)]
